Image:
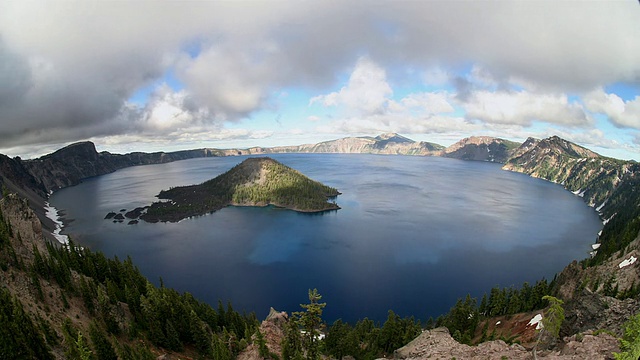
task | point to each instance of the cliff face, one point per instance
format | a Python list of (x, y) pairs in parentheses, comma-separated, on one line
[(15, 176), (481, 148), (69, 165)]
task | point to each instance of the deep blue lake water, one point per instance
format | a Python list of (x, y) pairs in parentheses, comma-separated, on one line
[(413, 234)]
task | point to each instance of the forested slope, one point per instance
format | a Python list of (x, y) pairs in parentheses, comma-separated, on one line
[(609, 185), (68, 302)]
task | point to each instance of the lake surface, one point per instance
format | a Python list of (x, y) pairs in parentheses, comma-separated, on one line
[(413, 235)]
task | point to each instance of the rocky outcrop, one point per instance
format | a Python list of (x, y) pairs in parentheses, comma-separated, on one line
[(481, 148), (273, 331), (69, 165), (438, 344), (14, 175), (589, 311)]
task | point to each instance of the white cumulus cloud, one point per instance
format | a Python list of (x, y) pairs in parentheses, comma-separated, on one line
[(524, 108), (428, 102), (624, 114), (366, 93)]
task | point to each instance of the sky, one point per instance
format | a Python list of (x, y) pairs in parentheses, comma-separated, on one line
[(167, 75)]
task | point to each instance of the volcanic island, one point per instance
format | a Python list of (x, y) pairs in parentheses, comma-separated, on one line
[(259, 181)]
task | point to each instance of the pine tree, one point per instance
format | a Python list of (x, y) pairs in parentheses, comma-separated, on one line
[(311, 321), (554, 317), (630, 342), (83, 350), (19, 336), (172, 337), (102, 345), (552, 320), (263, 350), (199, 334), (292, 342)]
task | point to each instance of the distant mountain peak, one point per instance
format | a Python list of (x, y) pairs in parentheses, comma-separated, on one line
[(482, 148), (566, 147), (83, 148), (393, 137)]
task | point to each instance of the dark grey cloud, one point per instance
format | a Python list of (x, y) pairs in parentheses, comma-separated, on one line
[(15, 77), (67, 69)]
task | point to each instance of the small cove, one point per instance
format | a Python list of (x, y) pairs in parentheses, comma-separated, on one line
[(413, 234)]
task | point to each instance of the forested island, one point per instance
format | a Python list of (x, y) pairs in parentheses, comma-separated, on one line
[(254, 182)]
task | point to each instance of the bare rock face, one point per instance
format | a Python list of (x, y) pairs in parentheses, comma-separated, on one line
[(586, 306), (595, 311), (69, 165), (273, 330), (438, 344), (587, 346)]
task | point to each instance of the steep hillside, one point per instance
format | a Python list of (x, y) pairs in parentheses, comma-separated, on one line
[(481, 148), (69, 165), (254, 182), (609, 185), (70, 303), (580, 170)]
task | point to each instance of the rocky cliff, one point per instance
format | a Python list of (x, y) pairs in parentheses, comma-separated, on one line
[(14, 175), (69, 165), (580, 170)]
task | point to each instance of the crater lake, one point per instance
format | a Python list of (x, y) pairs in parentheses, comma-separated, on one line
[(413, 234)]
